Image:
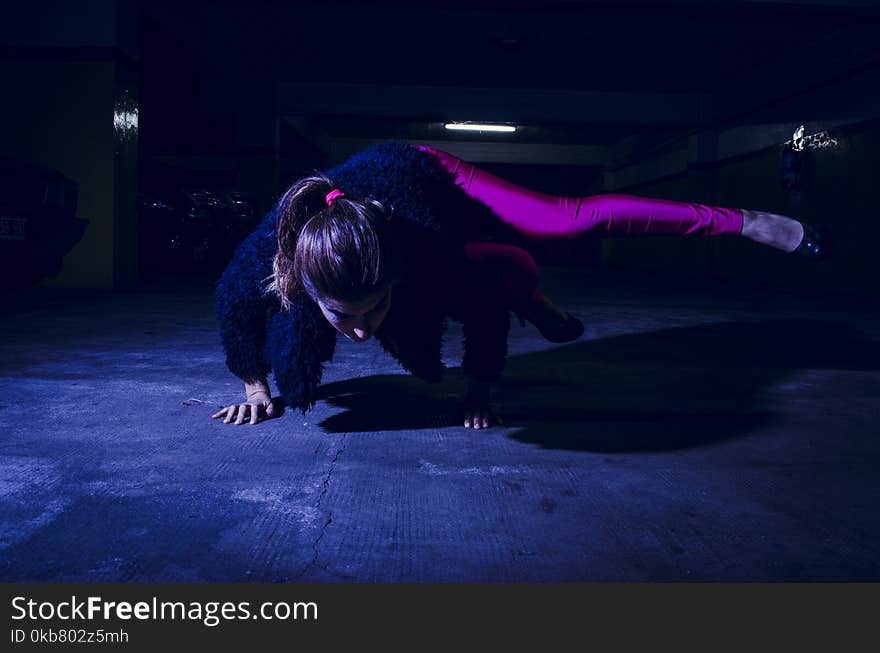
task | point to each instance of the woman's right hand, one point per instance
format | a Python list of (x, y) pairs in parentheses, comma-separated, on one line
[(258, 407)]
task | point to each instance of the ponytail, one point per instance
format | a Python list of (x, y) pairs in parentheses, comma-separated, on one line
[(341, 249)]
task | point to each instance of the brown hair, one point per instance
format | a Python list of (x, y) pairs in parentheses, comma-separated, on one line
[(343, 251)]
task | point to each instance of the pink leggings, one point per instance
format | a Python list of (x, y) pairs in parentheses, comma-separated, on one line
[(541, 216)]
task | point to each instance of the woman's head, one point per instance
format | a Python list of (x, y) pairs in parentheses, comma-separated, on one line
[(339, 250)]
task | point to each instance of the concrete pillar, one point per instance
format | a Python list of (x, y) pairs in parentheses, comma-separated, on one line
[(71, 75)]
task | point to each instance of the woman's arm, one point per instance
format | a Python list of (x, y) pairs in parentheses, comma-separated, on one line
[(242, 312), (485, 349), (478, 413), (242, 306)]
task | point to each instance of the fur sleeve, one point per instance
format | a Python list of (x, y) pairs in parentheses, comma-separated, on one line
[(241, 305), (300, 341)]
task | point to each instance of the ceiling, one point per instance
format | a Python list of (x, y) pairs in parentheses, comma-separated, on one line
[(574, 72)]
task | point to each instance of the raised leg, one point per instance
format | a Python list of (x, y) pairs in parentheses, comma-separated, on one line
[(542, 216)]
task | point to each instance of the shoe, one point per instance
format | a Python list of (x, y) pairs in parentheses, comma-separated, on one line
[(816, 243), (551, 327)]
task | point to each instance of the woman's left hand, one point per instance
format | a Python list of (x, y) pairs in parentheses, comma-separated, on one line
[(478, 414)]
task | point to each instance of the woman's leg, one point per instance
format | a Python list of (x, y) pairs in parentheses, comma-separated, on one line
[(541, 216), (512, 272)]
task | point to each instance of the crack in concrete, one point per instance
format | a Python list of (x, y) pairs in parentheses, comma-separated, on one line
[(324, 490), (330, 473)]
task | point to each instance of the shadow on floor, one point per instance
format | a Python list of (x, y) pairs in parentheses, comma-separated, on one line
[(652, 391)]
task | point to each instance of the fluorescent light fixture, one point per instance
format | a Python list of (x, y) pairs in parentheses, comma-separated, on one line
[(479, 127)]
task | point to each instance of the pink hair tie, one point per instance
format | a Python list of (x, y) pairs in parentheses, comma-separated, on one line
[(332, 195)]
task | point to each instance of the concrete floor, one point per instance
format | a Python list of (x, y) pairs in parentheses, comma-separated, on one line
[(698, 431)]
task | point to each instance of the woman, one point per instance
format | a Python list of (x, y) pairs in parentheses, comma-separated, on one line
[(393, 242)]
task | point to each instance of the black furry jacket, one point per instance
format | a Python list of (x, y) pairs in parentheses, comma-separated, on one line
[(433, 218)]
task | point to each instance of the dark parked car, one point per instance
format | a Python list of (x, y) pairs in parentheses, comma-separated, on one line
[(193, 231), (38, 223)]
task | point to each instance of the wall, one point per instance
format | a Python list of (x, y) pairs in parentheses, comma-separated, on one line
[(839, 184)]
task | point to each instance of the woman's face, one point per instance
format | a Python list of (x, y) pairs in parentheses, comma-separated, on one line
[(359, 320)]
